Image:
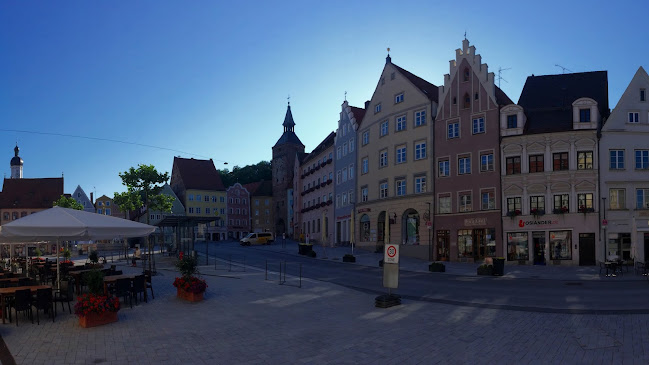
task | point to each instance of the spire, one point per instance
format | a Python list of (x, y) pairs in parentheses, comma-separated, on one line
[(16, 150), (288, 124), (388, 59), (16, 165)]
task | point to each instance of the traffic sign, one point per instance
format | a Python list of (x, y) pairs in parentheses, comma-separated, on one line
[(391, 255)]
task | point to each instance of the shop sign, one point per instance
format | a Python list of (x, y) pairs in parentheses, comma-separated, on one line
[(537, 222), (469, 222)]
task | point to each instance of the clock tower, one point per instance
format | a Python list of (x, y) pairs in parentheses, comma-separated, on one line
[(283, 163)]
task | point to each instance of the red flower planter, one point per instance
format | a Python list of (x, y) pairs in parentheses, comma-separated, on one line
[(189, 296), (96, 319)]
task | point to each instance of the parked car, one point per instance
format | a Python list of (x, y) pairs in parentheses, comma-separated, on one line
[(261, 238)]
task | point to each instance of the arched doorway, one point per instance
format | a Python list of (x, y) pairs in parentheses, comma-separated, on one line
[(410, 227), (380, 228), (280, 227), (365, 228)]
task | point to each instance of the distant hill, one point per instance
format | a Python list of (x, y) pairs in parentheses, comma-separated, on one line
[(247, 174)]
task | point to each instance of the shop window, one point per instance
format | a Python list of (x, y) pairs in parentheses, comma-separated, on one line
[(560, 245), (517, 246), (464, 243)]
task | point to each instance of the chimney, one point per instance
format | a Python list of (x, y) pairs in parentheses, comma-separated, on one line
[(92, 198), (367, 104)]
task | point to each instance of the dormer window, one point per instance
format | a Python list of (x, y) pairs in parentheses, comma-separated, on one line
[(643, 95), (377, 108), (467, 101), (466, 74), (584, 115), (512, 121)]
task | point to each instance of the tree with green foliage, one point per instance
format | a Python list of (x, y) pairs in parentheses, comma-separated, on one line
[(247, 174), (68, 202), (143, 190)]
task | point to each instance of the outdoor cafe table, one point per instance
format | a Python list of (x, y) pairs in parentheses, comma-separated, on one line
[(113, 279), (10, 292)]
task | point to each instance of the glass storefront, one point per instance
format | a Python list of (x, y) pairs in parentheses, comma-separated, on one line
[(619, 244), (517, 246), (560, 245), (464, 243), (365, 228), (490, 240)]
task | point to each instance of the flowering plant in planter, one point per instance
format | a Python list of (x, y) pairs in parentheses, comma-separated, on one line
[(561, 210), (583, 209), (94, 303), (513, 213), (191, 284), (188, 285), (537, 212)]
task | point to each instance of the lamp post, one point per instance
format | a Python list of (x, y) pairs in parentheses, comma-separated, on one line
[(604, 226), (430, 234)]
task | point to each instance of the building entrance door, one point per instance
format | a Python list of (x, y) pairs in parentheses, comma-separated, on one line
[(443, 239), (587, 249), (479, 244), (538, 239)]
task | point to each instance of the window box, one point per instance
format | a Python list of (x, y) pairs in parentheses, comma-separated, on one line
[(561, 210), (513, 213), (537, 212), (583, 209)]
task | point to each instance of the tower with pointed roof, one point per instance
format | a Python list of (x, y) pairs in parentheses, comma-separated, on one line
[(284, 154), (16, 165)]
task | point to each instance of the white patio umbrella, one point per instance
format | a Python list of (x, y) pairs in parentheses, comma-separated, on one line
[(62, 224)]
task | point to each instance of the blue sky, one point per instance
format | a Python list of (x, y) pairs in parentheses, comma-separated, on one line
[(206, 79)]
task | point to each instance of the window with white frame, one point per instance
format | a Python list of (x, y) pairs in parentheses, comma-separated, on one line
[(616, 159), (464, 165), (486, 162), (191, 210), (401, 154), (401, 123), (383, 190), (365, 138), (453, 130), (400, 187), (338, 177), (364, 193), (488, 200), (398, 98), (633, 117), (420, 150), (337, 200), (191, 197), (383, 158), (351, 145), (344, 199), (345, 149), (208, 210), (377, 108), (420, 118), (444, 168), (420, 184), (465, 202), (365, 165), (642, 198), (339, 152), (478, 125), (617, 199), (350, 172), (384, 128), (641, 159), (100, 211), (344, 174), (444, 204)]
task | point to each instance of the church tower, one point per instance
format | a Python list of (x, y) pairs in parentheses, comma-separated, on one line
[(16, 165), (283, 163)]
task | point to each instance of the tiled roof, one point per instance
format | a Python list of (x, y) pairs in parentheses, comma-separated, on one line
[(359, 113), (289, 137), (31, 193), (547, 100), (260, 188), (501, 98), (326, 143), (198, 174), (426, 87)]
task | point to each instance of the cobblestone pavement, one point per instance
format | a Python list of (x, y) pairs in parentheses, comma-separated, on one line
[(246, 319)]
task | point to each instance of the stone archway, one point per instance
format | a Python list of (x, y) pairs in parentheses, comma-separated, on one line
[(410, 227)]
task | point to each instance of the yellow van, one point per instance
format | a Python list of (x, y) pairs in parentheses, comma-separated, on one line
[(261, 238)]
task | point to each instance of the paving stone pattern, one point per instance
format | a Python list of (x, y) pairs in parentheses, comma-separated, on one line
[(245, 319)]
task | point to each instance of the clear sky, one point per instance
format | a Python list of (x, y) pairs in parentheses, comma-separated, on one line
[(210, 79)]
